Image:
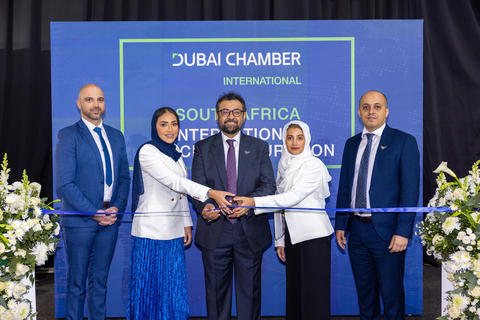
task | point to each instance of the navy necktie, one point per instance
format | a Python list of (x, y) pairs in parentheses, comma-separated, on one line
[(361, 195), (231, 171), (108, 164)]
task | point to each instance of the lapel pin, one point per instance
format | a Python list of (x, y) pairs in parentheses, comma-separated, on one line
[(247, 151), (383, 147)]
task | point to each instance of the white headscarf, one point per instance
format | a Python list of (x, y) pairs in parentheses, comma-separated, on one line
[(289, 164)]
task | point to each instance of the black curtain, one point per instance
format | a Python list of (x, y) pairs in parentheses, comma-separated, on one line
[(451, 65)]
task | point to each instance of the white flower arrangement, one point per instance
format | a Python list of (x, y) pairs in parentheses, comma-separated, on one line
[(27, 238), (453, 239)]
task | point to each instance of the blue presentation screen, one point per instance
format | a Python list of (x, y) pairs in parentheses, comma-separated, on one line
[(314, 71)]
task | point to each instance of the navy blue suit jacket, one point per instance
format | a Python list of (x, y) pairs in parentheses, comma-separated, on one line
[(395, 182), (79, 173), (255, 179)]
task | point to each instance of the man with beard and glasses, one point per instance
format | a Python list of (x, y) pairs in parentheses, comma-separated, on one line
[(232, 240), (91, 171)]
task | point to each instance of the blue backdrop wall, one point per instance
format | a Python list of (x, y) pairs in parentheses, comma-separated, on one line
[(314, 71)]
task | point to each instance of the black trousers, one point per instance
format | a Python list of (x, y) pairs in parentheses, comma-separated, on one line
[(308, 278)]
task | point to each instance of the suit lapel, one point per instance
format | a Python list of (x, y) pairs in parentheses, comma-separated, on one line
[(218, 155), (88, 136), (385, 141), (353, 158), (243, 158)]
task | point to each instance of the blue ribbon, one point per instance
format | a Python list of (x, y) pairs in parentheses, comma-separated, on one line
[(378, 210)]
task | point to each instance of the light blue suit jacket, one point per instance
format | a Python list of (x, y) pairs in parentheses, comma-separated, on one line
[(79, 173), (395, 182)]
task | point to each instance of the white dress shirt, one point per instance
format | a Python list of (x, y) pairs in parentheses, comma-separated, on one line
[(236, 145), (377, 135), (107, 190)]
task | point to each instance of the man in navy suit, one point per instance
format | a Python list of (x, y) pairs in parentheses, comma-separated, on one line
[(380, 169), (92, 175), (232, 244)]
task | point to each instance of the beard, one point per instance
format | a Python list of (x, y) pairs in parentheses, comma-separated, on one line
[(93, 116), (231, 126)]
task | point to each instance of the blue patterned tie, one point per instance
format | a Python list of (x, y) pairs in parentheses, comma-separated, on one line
[(231, 171), (108, 164), (361, 195)]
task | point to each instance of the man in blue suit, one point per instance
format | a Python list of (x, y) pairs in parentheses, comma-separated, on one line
[(232, 242), (92, 175), (380, 169)]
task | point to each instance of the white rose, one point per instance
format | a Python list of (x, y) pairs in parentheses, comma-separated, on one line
[(475, 292), (453, 312), (2, 247), (3, 285), (49, 226), (466, 240), (9, 315), (18, 290), (21, 269), (34, 201)]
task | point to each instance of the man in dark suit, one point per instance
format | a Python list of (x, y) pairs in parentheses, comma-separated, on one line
[(235, 239), (92, 175), (380, 168)]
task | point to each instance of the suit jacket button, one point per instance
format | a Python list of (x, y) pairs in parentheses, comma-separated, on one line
[(180, 197), (173, 199)]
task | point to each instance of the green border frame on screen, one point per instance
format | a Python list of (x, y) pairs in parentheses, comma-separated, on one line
[(297, 39)]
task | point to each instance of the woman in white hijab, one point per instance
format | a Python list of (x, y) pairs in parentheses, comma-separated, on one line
[(302, 237)]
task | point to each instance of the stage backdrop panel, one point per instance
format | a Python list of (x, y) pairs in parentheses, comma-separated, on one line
[(314, 71)]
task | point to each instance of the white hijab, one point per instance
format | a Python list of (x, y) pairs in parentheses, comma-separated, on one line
[(289, 164)]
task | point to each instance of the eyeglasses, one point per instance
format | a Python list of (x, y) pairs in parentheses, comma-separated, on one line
[(225, 112)]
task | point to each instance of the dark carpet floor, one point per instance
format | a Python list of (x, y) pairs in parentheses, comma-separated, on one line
[(431, 297)]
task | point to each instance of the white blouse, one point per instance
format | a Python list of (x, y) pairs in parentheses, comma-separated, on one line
[(165, 192), (309, 182)]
